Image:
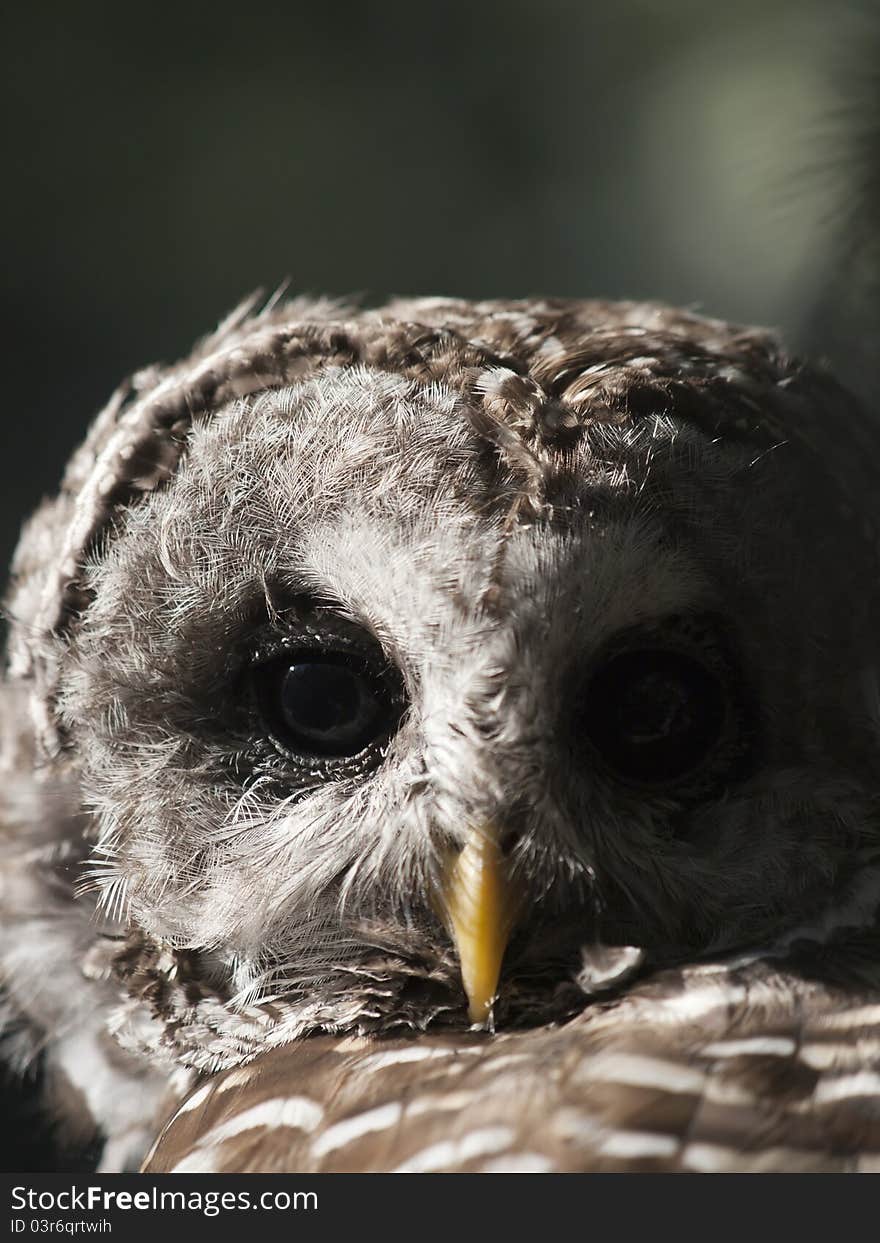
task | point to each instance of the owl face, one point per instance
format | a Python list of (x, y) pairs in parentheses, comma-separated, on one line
[(370, 725)]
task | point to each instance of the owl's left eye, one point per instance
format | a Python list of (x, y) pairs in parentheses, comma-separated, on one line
[(324, 703), (669, 707)]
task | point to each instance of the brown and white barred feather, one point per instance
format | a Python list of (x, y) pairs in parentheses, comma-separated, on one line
[(709, 1068)]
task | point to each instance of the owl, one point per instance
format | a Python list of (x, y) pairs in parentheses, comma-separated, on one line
[(447, 735)]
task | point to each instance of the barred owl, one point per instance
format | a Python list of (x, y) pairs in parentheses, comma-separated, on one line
[(458, 726)]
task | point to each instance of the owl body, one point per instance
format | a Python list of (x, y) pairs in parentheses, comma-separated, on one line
[(436, 667), (719, 1067)]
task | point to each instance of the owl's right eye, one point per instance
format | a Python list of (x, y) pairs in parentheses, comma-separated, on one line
[(324, 703)]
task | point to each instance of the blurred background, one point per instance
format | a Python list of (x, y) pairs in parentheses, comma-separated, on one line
[(163, 162)]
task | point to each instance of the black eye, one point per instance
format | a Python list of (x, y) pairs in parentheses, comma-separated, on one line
[(324, 703), (654, 715)]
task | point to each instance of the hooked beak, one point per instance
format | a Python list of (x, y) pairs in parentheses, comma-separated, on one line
[(479, 902)]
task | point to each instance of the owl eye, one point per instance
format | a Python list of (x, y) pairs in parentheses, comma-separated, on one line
[(323, 703), (654, 715)]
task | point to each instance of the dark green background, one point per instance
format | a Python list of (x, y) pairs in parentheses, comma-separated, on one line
[(164, 160)]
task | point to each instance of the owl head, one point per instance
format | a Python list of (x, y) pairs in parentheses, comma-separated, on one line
[(410, 664)]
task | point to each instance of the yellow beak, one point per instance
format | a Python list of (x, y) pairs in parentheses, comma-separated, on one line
[(479, 903)]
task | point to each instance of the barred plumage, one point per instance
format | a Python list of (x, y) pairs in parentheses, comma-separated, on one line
[(714, 1068)]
